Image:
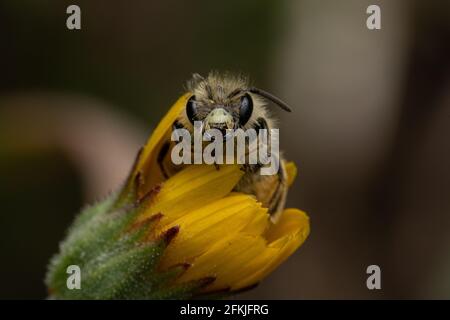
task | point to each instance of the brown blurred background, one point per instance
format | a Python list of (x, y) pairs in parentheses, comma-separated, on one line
[(370, 131)]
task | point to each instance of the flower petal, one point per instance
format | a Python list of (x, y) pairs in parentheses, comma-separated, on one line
[(284, 238), (148, 158), (292, 221), (240, 259), (226, 260), (207, 225), (291, 170), (192, 188)]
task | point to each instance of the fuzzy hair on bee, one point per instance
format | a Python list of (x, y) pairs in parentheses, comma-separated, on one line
[(224, 102)]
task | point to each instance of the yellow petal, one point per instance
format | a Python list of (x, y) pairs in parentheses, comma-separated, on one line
[(291, 170), (207, 225), (147, 165), (291, 222), (284, 238), (226, 260), (192, 188), (257, 268), (240, 259), (259, 223)]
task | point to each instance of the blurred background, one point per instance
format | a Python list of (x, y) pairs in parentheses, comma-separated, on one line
[(370, 131)]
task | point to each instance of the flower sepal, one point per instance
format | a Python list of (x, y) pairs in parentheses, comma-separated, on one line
[(118, 257)]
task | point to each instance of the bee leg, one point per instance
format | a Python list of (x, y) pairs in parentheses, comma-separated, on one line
[(278, 199), (270, 190), (216, 165), (160, 160)]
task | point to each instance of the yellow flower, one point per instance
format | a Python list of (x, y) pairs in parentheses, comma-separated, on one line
[(222, 235)]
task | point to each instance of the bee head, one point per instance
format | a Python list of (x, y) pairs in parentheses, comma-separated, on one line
[(225, 102)]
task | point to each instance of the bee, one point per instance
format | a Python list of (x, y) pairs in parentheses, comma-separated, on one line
[(224, 102)]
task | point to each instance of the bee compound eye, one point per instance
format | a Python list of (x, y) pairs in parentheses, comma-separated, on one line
[(191, 109), (246, 109)]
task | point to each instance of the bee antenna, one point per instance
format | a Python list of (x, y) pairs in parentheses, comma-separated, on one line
[(283, 105)]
